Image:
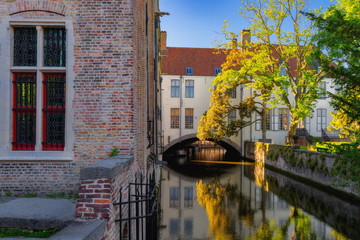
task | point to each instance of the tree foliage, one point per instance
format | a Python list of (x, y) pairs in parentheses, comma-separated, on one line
[(260, 65), (338, 34)]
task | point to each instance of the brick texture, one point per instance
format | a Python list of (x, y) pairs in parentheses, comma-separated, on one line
[(97, 198), (113, 86)]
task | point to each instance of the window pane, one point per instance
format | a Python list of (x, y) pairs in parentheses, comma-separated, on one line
[(189, 89), (25, 47), (54, 47), (54, 112), (189, 118), (188, 196), (174, 197), (24, 111), (232, 116), (175, 117), (175, 88)]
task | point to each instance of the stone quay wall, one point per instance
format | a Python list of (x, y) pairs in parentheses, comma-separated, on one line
[(313, 167)]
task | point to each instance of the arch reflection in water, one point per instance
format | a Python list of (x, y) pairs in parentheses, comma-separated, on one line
[(249, 202)]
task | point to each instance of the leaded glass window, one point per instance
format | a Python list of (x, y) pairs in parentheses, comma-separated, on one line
[(47, 109), (54, 47), (24, 111), (54, 112), (25, 46)]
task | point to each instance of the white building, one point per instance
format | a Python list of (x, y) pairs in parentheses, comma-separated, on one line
[(187, 75)]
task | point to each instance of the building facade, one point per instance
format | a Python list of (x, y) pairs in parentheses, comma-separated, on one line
[(187, 75), (78, 82)]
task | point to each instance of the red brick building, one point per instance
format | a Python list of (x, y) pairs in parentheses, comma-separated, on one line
[(78, 80)]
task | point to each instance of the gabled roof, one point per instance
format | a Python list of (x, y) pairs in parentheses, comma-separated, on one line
[(202, 60)]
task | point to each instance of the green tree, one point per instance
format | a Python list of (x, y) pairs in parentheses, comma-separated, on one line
[(338, 34), (278, 65)]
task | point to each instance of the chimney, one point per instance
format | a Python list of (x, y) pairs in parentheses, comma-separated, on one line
[(163, 41), (234, 43), (245, 38)]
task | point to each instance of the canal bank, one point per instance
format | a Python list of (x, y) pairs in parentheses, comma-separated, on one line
[(315, 168), (206, 200)]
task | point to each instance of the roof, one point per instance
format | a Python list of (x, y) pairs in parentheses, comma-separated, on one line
[(202, 60)]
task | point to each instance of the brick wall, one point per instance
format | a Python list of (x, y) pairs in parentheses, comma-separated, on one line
[(97, 197), (112, 78), (44, 178)]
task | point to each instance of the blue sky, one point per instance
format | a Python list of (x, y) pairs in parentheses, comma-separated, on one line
[(194, 23)]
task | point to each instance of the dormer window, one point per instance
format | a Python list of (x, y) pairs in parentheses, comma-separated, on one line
[(282, 68), (316, 66), (217, 71), (189, 71)]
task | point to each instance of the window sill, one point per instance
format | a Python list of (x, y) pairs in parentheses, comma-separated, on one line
[(36, 156)]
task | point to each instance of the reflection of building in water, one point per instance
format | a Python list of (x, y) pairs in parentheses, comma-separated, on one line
[(248, 205)]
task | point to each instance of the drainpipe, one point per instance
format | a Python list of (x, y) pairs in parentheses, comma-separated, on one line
[(241, 131), (156, 63), (180, 109), (251, 118)]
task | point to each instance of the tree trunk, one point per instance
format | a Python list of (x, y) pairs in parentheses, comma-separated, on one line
[(292, 131), (263, 121)]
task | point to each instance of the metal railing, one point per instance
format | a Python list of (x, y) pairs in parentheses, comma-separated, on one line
[(305, 133), (142, 208)]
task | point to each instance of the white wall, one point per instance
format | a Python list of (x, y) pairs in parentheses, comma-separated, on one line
[(201, 103)]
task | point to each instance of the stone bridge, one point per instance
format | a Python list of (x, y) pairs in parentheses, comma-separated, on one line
[(188, 139)]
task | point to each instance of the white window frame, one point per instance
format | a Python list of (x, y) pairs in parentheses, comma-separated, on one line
[(6, 90), (189, 88), (175, 84), (321, 119)]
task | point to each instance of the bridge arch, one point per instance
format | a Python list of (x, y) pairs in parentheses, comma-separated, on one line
[(191, 138)]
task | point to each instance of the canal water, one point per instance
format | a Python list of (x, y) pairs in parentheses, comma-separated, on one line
[(204, 198)]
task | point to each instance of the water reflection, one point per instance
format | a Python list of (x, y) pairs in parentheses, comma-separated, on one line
[(249, 202)]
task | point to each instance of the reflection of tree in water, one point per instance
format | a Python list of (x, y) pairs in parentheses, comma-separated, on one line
[(212, 198)]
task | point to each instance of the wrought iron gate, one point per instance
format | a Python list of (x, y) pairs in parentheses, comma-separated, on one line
[(142, 201)]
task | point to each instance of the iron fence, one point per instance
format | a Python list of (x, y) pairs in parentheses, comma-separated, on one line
[(142, 208)]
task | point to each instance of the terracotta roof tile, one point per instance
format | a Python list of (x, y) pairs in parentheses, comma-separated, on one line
[(202, 60)]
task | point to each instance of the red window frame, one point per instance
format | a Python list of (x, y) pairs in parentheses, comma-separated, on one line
[(51, 110), (25, 110)]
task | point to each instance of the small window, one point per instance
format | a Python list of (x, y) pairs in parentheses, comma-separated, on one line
[(188, 71), (321, 122), (188, 197), (189, 118), (316, 66), (232, 116), (175, 117), (232, 93), (323, 90), (282, 68), (283, 118), (189, 88), (175, 88), (217, 71), (174, 197)]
